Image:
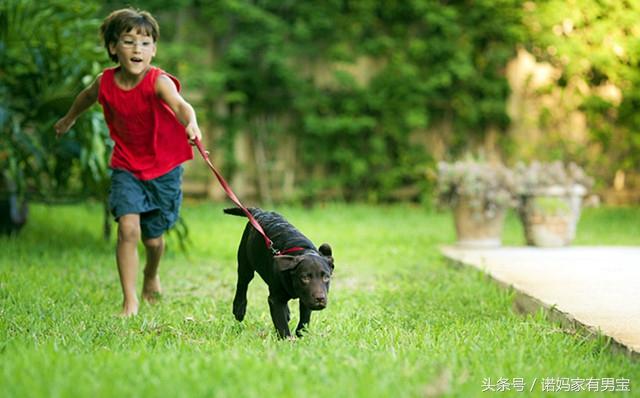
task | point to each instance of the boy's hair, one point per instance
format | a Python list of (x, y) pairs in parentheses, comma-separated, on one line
[(125, 20)]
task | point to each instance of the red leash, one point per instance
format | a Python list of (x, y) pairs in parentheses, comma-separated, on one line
[(234, 198)]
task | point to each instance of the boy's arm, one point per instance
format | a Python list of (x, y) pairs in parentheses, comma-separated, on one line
[(168, 92), (83, 101)]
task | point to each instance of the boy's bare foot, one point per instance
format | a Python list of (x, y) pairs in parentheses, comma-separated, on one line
[(151, 289), (129, 309)]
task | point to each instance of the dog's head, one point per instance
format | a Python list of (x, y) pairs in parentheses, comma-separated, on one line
[(310, 274)]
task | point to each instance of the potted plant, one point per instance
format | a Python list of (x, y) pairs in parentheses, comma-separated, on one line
[(479, 194), (549, 201), (13, 208)]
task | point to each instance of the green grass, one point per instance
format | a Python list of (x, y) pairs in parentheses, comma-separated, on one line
[(401, 322)]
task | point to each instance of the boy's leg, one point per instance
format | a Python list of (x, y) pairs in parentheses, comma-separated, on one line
[(127, 259), (151, 287), (165, 195)]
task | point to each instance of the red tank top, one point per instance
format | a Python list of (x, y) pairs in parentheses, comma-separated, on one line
[(149, 139)]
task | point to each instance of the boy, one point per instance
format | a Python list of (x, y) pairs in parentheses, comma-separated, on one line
[(149, 122)]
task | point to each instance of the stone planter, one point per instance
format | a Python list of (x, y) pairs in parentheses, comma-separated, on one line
[(13, 214), (550, 216), (477, 229), (13, 211)]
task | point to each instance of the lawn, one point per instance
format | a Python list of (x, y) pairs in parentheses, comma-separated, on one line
[(400, 322)]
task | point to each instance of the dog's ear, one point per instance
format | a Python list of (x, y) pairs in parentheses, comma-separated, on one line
[(285, 263), (325, 250)]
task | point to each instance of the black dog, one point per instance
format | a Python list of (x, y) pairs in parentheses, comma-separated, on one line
[(304, 275)]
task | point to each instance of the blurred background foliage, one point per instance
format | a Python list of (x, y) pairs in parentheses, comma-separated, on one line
[(47, 54), (335, 100)]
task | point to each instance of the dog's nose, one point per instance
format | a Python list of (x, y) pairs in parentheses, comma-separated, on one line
[(321, 301)]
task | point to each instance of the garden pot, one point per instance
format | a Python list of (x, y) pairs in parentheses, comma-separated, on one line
[(13, 209), (13, 213), (476, 228), (550, 216)]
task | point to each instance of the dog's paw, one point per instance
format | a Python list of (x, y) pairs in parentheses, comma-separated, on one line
[(300, 331), (239, 309)]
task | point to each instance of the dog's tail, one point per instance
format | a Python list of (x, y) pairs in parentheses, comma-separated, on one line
[(236, 211)]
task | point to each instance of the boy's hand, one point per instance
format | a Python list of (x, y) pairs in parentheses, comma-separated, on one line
[(193, 132), (63, 125)]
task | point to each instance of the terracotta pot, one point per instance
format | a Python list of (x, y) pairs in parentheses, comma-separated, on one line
[(476, 228), (550, 216), (13, 213)]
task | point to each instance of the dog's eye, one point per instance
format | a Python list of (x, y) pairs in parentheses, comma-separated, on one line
[(326, 278), (305, 278)]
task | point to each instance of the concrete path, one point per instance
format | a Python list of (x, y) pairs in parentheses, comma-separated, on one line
[(599, 287)]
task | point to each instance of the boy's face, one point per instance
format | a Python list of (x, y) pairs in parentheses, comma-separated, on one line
[(134, 51)]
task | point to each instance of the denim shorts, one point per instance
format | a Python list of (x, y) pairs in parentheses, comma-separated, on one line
[(157, 201)]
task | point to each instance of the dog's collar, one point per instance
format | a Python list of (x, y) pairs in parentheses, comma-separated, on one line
[(277, 252)]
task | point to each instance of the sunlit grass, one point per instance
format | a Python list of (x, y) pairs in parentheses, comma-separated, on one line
[(400, 321)]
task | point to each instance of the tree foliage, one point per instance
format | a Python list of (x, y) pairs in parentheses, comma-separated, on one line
[(596, 46), (47, 55)]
